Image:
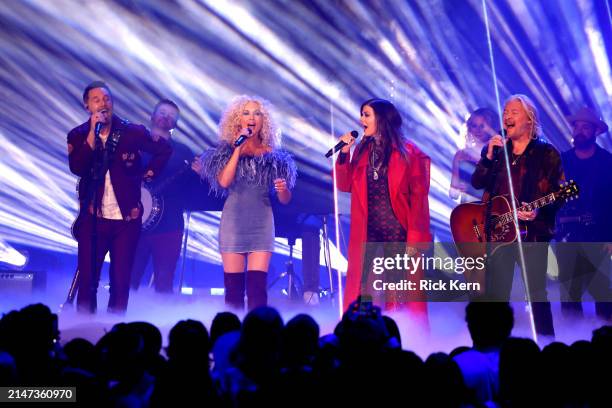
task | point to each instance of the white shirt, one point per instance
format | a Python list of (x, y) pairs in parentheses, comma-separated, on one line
[(110, 207)]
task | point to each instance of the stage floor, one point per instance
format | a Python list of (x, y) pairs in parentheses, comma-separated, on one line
[(447, 326)]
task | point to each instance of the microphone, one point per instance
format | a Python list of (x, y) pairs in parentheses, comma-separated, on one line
[(243, 138), (99, 125), (341, 144), (496, 149)]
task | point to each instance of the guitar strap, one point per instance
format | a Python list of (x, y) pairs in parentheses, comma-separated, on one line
[(111, 146), (529, 184), (104, 156), (486, 196)]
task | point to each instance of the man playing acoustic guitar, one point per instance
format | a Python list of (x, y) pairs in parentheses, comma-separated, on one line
[(535, 170)]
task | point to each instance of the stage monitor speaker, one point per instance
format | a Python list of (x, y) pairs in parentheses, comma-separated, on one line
[(20, 281)]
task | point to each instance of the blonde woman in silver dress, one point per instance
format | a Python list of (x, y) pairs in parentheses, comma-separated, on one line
[(251, 175)]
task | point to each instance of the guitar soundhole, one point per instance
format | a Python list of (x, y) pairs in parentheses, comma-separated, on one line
[(501, 233)]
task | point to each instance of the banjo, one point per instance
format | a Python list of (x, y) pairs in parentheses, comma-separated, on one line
[(153, 201)]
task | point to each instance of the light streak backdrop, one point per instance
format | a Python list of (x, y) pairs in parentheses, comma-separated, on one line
[(309, 58)]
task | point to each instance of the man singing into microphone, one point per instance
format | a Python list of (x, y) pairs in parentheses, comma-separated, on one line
[(105, 153), (535, 171)]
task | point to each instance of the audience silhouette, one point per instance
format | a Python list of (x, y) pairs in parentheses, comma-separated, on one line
[(263, 362)]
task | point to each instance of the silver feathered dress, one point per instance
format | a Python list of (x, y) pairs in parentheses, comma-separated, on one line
[(247, 221)]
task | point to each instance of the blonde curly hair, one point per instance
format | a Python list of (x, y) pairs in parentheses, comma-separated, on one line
[(229, 125)]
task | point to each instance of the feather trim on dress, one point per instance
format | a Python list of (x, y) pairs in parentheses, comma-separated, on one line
[(255, 170)]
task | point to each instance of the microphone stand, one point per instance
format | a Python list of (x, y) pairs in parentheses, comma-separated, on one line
[(97, 176), (97, 167), (328, 261), (488, 208), (292, 290), (184, 255)]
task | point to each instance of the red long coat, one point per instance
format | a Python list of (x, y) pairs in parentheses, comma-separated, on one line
[(408, 190)]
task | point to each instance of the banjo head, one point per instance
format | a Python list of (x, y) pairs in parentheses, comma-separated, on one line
[(152, 208)]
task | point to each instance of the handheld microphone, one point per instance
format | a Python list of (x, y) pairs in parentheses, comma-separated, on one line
[(99, 125), (243, 138), (496, 149), (341, 144)]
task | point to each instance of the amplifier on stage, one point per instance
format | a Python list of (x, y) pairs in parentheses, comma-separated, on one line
[(14, 281)]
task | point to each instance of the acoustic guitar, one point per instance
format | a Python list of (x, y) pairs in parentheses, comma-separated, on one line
[(467, 221)]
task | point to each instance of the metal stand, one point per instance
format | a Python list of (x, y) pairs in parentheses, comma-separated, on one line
[(71, 291), (98, 166), (184, 255), (292, 290), (328, 264)]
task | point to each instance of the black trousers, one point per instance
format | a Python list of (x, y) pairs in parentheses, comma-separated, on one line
[(584, 266), (164, 248), (117, 237), (500, 273)]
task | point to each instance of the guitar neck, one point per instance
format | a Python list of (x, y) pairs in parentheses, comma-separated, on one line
[(539, 203), (161, 186)]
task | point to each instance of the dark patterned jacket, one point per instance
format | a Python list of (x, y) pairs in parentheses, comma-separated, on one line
[(124, 164), (594, 179), (541, 174)]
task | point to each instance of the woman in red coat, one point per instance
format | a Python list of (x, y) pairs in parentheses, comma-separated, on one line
[(389, 181)]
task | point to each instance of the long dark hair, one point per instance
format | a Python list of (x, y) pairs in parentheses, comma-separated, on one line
[(389, 125)]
